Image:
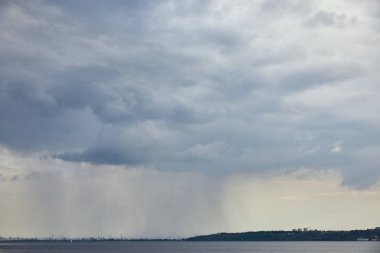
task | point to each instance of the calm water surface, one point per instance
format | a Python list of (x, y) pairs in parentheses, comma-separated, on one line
[(191, 247)]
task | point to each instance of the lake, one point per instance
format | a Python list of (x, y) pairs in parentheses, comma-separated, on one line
[(190, 247)]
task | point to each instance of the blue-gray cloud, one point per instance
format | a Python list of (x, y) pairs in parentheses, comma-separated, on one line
[(195, 85)]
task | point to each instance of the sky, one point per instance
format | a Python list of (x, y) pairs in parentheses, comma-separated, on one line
[(179, 118)]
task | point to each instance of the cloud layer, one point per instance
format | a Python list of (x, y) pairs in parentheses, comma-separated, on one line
[(215, 87)]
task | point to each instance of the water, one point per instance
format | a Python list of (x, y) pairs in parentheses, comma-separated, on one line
[(190, 247)]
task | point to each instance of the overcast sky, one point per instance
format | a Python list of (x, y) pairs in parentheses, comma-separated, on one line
[(176, 118)]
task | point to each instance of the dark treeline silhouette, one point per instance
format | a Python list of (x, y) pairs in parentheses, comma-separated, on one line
[(315, 235)]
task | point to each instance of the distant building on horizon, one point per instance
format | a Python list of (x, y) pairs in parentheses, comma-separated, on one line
[(301, 229)]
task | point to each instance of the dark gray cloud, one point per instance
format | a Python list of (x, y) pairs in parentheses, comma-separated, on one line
[(116, 146), (210, 86)]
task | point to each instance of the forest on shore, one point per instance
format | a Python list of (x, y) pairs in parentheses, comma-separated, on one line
[(314, 235)]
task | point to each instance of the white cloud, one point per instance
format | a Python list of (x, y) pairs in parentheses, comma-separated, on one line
[(336, 147)]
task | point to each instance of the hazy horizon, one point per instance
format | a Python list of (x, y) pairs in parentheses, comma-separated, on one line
[(179, 118), (121, 237)]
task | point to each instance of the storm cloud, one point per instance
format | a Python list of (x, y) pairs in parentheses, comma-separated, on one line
[(215, 86), (220, 88)]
